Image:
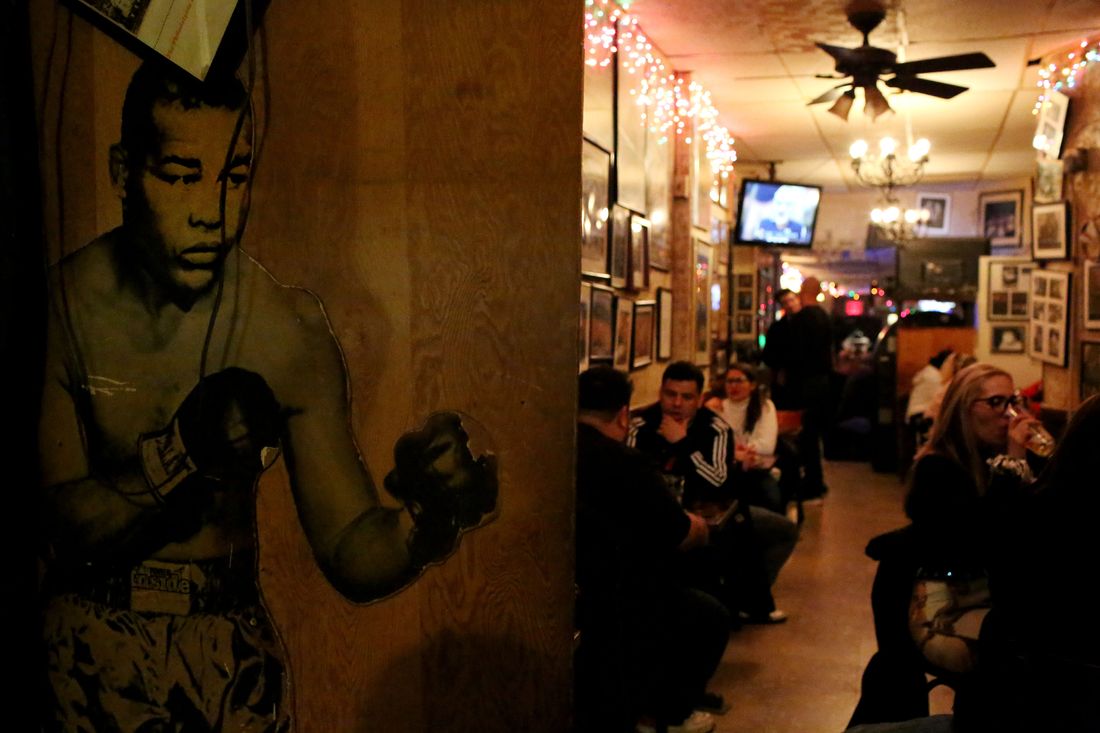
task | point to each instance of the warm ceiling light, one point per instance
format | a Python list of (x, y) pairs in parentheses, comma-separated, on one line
[(858, 149), (874, 104), (843, 104)]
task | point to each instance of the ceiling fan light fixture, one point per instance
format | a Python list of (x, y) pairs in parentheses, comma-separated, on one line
[(843, 104), (874, 103)]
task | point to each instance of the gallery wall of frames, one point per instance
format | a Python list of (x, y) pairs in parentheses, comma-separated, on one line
[(655, 240)]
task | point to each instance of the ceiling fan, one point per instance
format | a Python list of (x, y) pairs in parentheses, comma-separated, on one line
[(867, 65)]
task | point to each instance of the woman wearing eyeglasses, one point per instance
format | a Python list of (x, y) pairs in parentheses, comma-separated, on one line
[(756, 429), (930, 595)]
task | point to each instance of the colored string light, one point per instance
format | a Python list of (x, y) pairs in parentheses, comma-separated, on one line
[(1065, 71)]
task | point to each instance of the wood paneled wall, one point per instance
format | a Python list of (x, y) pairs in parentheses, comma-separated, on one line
[(420, 172)]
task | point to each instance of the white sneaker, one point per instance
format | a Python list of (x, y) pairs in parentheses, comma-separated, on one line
[(697, 722)]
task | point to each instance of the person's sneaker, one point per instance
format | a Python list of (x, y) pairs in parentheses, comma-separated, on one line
[(775, 617), (697, 722), (713, 703)]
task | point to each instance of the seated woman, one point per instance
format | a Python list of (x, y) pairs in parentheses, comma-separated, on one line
[(975, 456), (752, 416)]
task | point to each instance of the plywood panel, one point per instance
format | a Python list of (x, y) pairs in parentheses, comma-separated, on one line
[(917, 345), (419, 172)]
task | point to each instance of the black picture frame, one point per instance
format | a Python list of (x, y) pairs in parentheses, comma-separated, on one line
[(642, 339), (1000, 217), (595, 212), (664, 324), (1050, 231), (1009, 338), (624, 329), (639, 252), (620, 246), (601, 317)]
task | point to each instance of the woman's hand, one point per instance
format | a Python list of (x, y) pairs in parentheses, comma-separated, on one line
[(1019, 429)]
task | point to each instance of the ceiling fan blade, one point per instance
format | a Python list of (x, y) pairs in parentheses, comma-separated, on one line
[(925, 86), (837, 52), (829, 95), (943, 63)]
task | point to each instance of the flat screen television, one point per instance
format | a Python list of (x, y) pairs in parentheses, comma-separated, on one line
[(777, 214)]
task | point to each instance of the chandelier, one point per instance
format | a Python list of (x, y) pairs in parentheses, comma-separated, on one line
[(887, 172), (897, 223)]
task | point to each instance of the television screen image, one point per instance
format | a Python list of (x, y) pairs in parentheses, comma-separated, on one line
[(781, 214)]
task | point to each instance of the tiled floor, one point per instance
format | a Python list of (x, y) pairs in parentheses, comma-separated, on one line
[(803, 676)]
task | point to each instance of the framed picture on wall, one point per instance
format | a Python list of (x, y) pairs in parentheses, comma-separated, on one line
[(658, 165), (1090, 369), (1009, 339), (1009, 288), (1049, 326), (1049, 232), (645, 321), (1092, 295), (701, 301), (1048, 181), (583, 331), (744, 280), (601, 325), (1000, 217), (742, 324), (1050, 124), (639, 252), (631, 129), (620, 246), (595, 178), (938, 206), (664, 324), (744, 300), (624, 327)]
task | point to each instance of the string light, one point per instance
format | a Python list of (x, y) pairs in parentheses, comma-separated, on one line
[(666, 102), (1065, 72)]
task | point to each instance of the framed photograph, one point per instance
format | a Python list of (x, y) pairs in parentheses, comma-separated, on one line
[(595, 177), (742, 324), (744, 280), (1000, 217), (1050, 124), (1048, 181), (583, 331), (1049, 324), (744, 300), (938, 206), (1009, 290), (639, 252), (1010, 339), (601, 325), (664, 324), (1092, 295), (620, 246), (1050, 234), (658, 193), (701, 304), (630, 141), (624, 327), (1090, 369), (645, 321)]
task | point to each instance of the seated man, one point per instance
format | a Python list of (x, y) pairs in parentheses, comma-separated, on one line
[(694, 445), (648, 643)]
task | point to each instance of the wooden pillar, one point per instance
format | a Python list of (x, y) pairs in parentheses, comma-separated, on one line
[(683, 255), (420, 172)]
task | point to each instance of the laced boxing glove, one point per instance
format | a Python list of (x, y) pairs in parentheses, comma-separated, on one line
[(218, 434), (441, 484)]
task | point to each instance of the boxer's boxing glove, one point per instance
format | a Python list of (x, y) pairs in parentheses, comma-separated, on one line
[(218, 433)]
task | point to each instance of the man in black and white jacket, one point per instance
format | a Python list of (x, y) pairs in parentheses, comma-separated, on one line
[(692, 443)]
